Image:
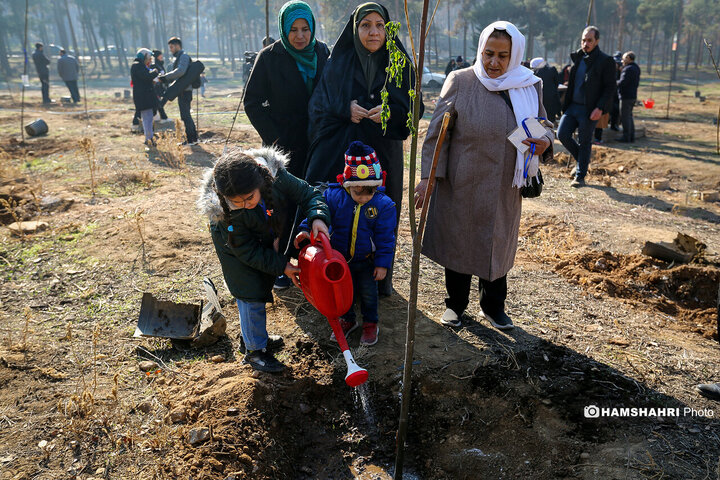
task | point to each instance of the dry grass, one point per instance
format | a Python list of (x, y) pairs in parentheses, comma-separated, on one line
[(136, 218), (87, 149), (170, 149)]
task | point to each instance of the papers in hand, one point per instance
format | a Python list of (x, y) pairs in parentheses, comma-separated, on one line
[(517, 136)]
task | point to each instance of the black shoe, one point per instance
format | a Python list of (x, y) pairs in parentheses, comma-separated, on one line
[(263, 361), (614, 128), (577, 182), (187, 143), (622, 140), (282, 282), (710, 390), (274, 343), (499, 320)]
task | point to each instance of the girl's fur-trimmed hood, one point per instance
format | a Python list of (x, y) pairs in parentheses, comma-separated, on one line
[(208, 203)]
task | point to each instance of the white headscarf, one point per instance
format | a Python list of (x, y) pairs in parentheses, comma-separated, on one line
[(518, 81), (537, 62)]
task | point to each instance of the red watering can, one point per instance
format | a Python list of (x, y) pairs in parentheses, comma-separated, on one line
[(326, 282)]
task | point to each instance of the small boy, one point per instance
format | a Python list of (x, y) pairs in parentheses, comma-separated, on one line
[(363, 230)]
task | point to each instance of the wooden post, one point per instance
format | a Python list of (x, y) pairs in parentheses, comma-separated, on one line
[(672, 74), (197, 58)]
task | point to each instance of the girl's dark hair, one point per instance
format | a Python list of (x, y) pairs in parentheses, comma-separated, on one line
[(237, 173)]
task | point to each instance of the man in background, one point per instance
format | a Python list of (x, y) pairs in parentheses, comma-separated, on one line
[(627, 91), (68, 69), (41, 66), (550, 81), (591, 87)]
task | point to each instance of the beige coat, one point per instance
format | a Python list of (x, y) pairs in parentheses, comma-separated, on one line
[(474, 214)]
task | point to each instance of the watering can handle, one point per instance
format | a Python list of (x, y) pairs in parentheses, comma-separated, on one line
[(324, 240)]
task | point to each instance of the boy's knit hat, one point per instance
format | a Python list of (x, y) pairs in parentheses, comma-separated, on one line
[(362, 167)]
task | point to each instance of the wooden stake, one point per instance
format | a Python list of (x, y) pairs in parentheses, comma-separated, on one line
[(197, 58)]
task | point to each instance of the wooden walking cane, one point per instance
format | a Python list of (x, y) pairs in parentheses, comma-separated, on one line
[(412, 307)]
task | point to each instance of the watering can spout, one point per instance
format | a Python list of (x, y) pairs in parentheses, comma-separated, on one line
[(356, 376)]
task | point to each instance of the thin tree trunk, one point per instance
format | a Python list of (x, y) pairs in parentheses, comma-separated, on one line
[(4, 53), (651, 49), (450, 53), (140, 20), (679, 36), (177, 21), (690, 42), (465, 29), (621, 27), (42, 26), (231, 40), (531, 40), (72, 30), (106, 52), (60, 22), (220, 42)]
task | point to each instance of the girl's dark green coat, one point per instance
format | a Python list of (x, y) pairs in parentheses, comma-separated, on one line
[(251, 264)]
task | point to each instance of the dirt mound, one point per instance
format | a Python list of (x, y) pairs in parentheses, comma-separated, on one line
[(605, 162), (37, 147), (17, 200), (687, 292), (260, 426)]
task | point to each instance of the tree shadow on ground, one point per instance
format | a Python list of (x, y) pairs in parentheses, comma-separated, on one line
[(512, 386), (657, 204)]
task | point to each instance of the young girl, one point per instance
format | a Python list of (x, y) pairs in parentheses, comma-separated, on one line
[(247, 197)]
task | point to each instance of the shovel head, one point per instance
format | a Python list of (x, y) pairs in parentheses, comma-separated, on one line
[(167, 319)]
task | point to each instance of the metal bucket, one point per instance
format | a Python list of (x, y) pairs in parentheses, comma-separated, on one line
[(38, 127)]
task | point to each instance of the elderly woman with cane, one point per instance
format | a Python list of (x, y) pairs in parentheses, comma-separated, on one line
[(474, 214)]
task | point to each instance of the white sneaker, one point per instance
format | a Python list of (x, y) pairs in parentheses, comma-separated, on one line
[(450, 318)]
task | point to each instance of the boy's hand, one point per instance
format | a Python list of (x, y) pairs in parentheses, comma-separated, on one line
[(292, 273), (319, 226), (379, 273), (301, 237)]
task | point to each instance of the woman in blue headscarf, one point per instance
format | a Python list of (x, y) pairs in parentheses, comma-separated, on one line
[(278, 91), (283, 78)]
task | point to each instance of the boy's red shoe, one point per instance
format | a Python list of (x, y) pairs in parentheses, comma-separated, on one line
[(347, 327), (369, 334)]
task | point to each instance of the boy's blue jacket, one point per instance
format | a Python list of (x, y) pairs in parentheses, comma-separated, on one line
[(374, 231)]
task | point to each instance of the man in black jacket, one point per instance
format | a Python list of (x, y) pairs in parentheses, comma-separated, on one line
[(627, 90), (41, 66), (590, 91)]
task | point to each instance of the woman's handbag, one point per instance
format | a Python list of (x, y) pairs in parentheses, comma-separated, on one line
[(535, 188)]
